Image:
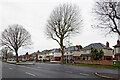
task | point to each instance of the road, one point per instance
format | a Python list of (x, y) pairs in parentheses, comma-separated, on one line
[(45, 70)]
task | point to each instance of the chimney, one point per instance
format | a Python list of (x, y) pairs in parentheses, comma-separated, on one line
[(107, 44), (78, 46), (59, 50), (118, 42)]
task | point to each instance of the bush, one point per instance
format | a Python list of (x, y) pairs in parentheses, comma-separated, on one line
[(96, 55), (83, 58)]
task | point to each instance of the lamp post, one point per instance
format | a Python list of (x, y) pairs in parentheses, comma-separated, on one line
[(66, 57)]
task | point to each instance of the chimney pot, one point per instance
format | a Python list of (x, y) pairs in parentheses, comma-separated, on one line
[(78, 46), (118, 42), (107, 44)]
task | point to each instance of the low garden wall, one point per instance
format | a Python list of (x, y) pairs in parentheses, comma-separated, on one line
[(99, 62)]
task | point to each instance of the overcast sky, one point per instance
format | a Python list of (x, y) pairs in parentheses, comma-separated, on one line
[(33, 16)]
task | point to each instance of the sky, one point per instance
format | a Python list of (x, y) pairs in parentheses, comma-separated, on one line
[(33, 16)]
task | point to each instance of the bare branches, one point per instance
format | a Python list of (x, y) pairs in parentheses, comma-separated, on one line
[(64, 21), (6, 52), (108, 15), (15, 36)]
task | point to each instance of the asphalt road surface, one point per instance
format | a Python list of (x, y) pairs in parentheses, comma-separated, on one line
[(45, 70)]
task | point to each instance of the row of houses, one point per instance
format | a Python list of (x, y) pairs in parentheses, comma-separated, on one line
[(75, 53)]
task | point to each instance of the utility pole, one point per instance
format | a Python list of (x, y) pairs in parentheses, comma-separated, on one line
[(68, 44)]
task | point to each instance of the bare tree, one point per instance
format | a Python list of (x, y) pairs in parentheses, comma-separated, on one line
[(108, 14), (64, 21), (5, 51), (10, 55), (14, 37)]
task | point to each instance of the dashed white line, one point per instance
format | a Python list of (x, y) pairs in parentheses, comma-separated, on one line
[(68, 71), (46, 68), (39, 67), (29, 73), (57, 69), (10, 68), (84, 74), (11, 64)]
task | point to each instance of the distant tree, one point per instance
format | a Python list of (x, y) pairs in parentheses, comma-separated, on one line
[(64, 21), (10, 55), (93, 53), (101, 54), (96, 55), (107, 14), (79, 47), (14, 37), (6, 53), (26, 53)]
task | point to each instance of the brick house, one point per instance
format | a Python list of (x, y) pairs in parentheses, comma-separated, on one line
[(108, 52), (73, 52), (117, 51), (44, 55)]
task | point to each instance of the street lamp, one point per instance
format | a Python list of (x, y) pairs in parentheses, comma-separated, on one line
[(66, 57)]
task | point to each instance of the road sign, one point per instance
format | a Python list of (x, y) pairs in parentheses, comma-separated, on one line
[(67, 52)]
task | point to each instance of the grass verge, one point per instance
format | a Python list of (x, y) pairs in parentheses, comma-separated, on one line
[(99, 66), (19, 63)]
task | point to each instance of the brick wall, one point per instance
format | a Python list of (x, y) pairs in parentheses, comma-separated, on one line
[(103, 62)]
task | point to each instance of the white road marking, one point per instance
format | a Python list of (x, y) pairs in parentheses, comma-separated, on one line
[(29, 73), (10, 68), (84, 74), (39, 67), (46, 68), (57, 69), (68, 71), (102, 76)]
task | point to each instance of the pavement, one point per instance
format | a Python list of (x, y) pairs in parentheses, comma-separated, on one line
[(108, 76), (45, 70)]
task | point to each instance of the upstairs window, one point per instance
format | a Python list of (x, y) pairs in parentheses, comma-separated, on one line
[(119, 50)]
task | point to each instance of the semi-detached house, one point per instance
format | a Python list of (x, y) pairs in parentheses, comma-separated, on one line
[(73, 53), (117, 51), (108, 52)]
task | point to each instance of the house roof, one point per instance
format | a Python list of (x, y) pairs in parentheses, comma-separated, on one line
[(117, 54), (44, 51), (117, 45), (85, 55), (55, 50), (96, 46), (38, 52), (73, 48)]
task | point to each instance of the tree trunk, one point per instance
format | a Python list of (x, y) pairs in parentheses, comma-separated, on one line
[(6, 56), (16, 51), (62, 50)]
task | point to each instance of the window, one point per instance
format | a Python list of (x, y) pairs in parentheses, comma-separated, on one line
[(40, 56), (84, 51), (108, 59), (118, 49)]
